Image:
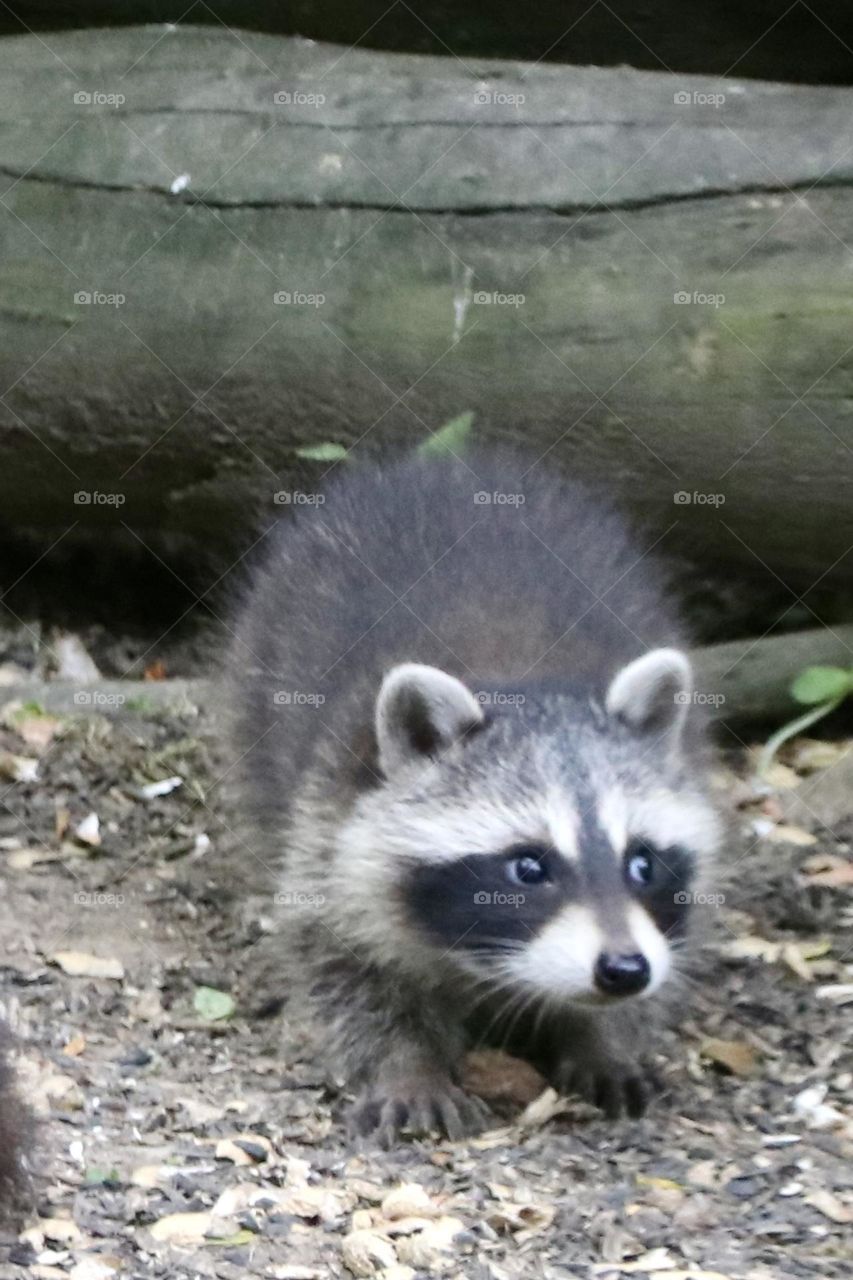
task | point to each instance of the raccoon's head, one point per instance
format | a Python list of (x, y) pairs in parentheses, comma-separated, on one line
[(544, 838)]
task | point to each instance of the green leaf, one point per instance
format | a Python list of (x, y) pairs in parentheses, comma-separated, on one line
[(328, 452), (451, 438), (820, 684), (213, 1005), (95, 1177), (240, 1237)]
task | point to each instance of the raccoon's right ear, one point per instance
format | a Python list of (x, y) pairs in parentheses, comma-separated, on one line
[(652, 692), (421, 710)]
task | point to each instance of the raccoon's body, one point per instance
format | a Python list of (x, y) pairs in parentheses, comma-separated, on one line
[(16, 1126), (469, 746)]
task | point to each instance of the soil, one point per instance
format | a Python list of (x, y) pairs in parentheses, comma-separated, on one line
[(152, 1106)]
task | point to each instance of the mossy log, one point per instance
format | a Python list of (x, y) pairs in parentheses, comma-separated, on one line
[(215, 251)]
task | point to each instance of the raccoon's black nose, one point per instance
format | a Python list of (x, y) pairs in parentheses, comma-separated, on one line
[(622, 975)]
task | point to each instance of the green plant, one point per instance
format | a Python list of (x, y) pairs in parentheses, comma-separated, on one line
[(451, 438), (821, 689)]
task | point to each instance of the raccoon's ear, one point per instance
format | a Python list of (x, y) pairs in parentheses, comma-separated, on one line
[(652, 693), (419, 711)]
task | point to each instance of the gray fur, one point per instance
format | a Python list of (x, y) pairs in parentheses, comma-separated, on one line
[(535, 606)]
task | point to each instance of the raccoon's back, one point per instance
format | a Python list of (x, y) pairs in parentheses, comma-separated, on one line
[(497, 576)]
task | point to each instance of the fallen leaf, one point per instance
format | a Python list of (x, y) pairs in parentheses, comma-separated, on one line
[(365, 1253), (830, 1206), (155, 670), (244, 1149), (89, 830), (213, 1005), (37, 729), (18, 768), (542, 1109), (182, 1228), (517, 1217), (836, 875), (75, 1046), (72, 661), (810, 1105), (24, 859), (787, 833), (153, 790), (736, 1056), (837, 992), (409, 1200), (79, 964)]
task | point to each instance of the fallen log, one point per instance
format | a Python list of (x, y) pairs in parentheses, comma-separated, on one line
[(215, 253)]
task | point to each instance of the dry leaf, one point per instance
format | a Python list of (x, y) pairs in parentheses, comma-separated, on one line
[(366, 1253), (419, 1249), (817, 1113), (835, 872), (73, 662), (89, 830), (37, 731), (736, 1056), (520, 1217), (244, 1148), (24, 859), (182, 1228), (654, 1260), (837, 992), (18, 768), (75, 1046), (79, 964), (542, 1109), (787, 833), (92, 1269), (409, 1200), (830, 1206), (810, 754)]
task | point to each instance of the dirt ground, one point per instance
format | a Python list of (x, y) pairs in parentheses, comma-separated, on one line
[(158, 1102)]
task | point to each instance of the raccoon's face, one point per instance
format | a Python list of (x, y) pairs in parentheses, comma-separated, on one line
[(554, 847)]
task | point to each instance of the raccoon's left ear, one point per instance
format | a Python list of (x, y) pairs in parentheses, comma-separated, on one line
[(421, 710), (652, 693)]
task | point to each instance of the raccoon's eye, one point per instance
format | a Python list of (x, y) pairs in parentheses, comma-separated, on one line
[(527, 868), (639, 866)]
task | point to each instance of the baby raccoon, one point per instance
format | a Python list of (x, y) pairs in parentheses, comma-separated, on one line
[(469, 744)]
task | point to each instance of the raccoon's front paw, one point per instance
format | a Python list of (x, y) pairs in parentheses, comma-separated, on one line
[(415, 1108), (614, 1090)]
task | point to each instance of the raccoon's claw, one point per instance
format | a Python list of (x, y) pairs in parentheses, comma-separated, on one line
[(613, 1092), (386, 1117)]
